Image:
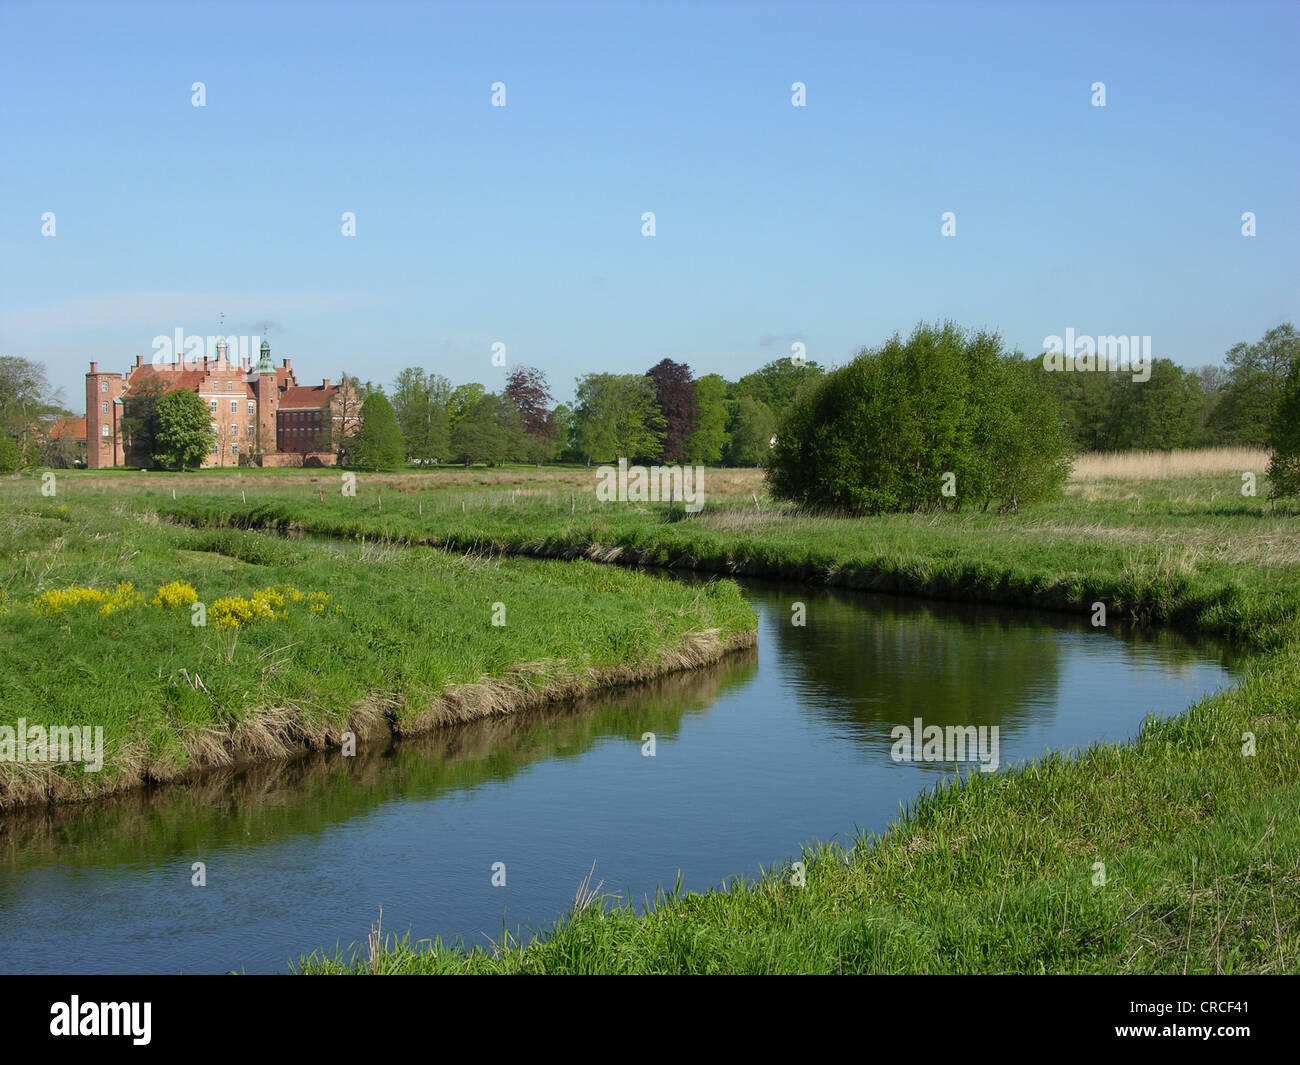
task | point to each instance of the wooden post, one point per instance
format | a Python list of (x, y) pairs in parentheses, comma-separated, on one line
[(571, 504), (755, 498), (422, 508)]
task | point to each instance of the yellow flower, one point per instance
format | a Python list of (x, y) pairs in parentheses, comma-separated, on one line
[(124, 596), (174, 595)]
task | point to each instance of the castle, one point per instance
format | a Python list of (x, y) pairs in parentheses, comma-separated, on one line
[(260, 416)]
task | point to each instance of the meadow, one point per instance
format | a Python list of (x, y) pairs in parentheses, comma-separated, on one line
[(300, 642), (1178, 852)]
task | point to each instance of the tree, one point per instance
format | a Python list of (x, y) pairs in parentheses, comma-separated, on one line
[(1161, 413), (420, 401), (749, 436), (1256, 374), (777, 383), (942, 418), (462, 400), (139, 422), (528, 390), (564, 442), (1284, 468), (378, 442), (675, 395), (617, 416), (11, 456), (184, 430), (26, 399), (709, 439), (490, 431), (343, 418)]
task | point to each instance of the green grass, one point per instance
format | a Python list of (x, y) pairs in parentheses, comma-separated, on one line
[(404, 641), (1201, 843)]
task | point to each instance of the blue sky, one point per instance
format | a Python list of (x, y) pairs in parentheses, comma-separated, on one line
[(522, 224)]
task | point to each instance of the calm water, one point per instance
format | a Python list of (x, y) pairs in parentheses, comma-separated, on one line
[(753, 759)]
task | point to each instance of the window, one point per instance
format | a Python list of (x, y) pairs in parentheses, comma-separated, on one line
[(234, 429), (103, 386), (251, 409), (103, 408), (212, 405), (103, 430), (230, 385), (234, 406), (214, 447), (234, 449)]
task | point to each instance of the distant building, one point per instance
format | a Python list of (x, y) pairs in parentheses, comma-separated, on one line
[(72, 430), (261, 415), (64, 443)]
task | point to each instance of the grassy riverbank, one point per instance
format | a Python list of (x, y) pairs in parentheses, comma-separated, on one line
[(1200, 841), (1182, 548), (301, 641)]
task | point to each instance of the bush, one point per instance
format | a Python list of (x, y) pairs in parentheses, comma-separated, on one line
[(885, 432), (10, 456), (1284, 469)]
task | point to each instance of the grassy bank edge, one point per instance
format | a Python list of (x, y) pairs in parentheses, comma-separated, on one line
[(1136, 595), (374, 717)]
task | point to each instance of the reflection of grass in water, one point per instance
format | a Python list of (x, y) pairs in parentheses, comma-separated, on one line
[(268, 802)]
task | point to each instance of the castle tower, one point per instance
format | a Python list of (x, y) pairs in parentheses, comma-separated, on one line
[(266, 390), (103, 411)]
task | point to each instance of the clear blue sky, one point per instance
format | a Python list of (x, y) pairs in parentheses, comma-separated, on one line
[(522, 224)]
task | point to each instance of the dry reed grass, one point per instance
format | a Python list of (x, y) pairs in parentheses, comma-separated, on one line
[(1165, 465)]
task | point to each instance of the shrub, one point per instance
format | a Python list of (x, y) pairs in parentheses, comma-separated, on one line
[(1284, 469), (883, 432)]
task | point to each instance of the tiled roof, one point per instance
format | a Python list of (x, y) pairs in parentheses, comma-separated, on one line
[(68, 429), (308, 396)]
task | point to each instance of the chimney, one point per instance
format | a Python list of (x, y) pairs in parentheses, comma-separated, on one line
[(139, 360), (94, 367), (247, 363), (287, 365), (325, 382)]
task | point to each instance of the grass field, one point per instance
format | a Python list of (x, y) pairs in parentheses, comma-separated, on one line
[(301, 641), (1194, 826)]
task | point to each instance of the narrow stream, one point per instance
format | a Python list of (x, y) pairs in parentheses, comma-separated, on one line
[(752, 758)]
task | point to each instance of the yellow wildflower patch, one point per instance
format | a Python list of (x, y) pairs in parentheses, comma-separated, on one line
[(176, 594)]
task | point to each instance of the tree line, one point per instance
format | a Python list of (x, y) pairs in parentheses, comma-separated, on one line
[(669, 415), (663, 415), (1214, 406)]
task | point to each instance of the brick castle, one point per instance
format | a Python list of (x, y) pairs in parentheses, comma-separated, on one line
[(262, 416)]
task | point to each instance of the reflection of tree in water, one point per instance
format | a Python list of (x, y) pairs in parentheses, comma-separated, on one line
[(271, 801), (878, 662)]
